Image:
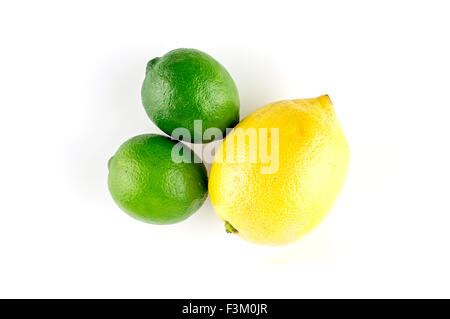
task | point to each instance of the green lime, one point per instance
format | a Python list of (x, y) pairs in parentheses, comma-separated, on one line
[(148, 184), (187, 85)]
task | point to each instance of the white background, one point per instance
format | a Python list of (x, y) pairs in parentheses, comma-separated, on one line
[(70, 77)]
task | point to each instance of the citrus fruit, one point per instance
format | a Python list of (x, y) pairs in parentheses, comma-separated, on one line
[(275, 197), (187, 85), (150, 186)]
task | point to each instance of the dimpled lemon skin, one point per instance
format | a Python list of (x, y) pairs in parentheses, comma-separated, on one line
[(279, 208), (148, 185)]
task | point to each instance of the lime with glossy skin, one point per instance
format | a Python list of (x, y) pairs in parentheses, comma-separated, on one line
[(150, 186), (186, 85)]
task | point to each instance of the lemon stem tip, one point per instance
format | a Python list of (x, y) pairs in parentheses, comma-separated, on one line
[(230, 229)]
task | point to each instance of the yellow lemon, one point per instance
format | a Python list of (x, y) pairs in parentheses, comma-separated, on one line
[(279, 171)]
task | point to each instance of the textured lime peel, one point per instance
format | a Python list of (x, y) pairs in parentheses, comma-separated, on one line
[(141, 173), (230, 229), (186, 85)]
